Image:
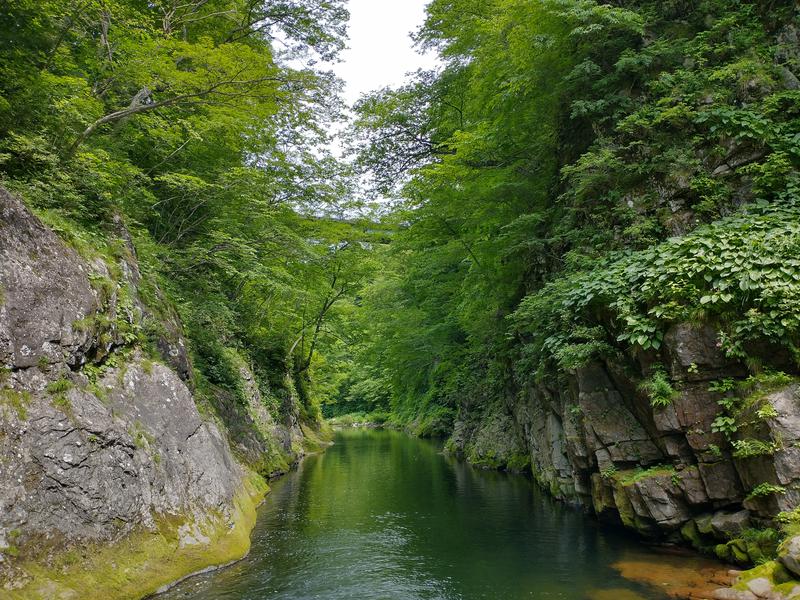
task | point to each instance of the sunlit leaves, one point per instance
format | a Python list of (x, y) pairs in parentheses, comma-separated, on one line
[(183, 120)]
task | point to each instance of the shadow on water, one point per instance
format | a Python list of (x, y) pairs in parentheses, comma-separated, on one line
[(381, 516)]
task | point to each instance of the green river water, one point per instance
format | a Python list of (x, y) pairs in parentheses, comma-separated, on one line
[(381, 515)]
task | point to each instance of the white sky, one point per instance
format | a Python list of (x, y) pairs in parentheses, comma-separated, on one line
[(380, 50)]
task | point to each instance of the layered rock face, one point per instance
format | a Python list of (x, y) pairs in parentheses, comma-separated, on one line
[(98, 440), (92, 468), (677, 472), (79, 459)]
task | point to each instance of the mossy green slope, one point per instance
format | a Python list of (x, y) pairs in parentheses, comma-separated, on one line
[(146, 562)]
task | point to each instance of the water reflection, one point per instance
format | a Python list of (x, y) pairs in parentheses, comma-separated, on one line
[(384, 516)]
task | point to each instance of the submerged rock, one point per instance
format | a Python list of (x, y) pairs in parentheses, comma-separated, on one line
[(672, 576)]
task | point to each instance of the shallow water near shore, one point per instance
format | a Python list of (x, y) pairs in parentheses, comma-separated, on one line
[(384, 516)]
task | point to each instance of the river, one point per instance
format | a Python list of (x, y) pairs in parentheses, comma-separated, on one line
[(384, 516)]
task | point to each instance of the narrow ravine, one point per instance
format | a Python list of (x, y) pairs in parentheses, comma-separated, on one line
[(382, 515), (560, 236)]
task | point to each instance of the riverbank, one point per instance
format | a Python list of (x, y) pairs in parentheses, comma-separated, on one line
[(123, 468), (384, 514), (371, 420), (146, 561)]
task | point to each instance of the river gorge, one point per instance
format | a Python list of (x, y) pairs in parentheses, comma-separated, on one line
[(549, 249), (382, 515)]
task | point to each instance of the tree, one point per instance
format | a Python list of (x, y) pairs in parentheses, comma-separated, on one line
[(557, 135)]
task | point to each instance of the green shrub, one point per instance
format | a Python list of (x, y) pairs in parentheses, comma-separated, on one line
[(748, 448), (60, 386), (608, 472), (741, 271), (659, 389), (724, 424), (765, 489)]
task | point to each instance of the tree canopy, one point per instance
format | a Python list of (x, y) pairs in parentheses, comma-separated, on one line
[(576, 177), (202, 126)]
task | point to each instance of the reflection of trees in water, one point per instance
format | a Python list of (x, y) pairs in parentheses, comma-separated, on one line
[(551, 538), (382, 515), (489, 525)]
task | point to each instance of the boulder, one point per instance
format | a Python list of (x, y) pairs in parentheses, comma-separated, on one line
[(658, 498), (692, 486), (760, 586), (727, 525), (789, 555), (731, 594)]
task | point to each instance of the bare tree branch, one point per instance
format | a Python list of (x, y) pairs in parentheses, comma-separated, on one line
[(142, 102)]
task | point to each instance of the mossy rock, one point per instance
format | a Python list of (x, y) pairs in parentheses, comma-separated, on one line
[(624, 506), (146, 562), (755, 553), (315, 439), (519, 463), (734, 551), (704, 524), (778, 576), (723, 552), (739, 553), (691, 534)]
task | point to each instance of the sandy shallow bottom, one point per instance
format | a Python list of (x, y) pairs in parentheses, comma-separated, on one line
[(678, 574)]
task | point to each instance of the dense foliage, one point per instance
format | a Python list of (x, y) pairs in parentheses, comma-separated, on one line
[(577, 177), (183, 121), (574, 178)]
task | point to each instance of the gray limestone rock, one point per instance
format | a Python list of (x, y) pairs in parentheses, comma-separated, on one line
[(44, 290), (89, 459), (89, 467)]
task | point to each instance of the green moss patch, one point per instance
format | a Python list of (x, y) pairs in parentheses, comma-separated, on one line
[(15, 400), (316, 440), (146, 561), (630, 477), (780, 578)]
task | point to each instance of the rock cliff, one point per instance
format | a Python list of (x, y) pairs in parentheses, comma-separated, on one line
[(112, 482), (713, 465)]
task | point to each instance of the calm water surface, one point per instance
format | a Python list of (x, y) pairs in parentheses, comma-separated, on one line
[(384, 516)]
